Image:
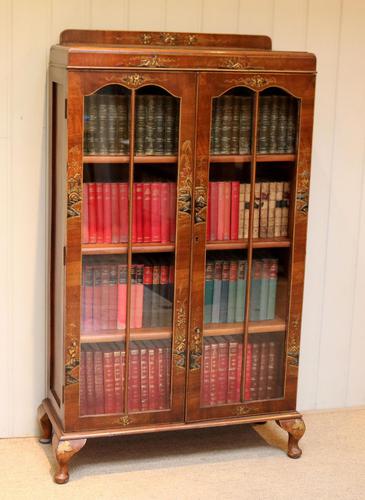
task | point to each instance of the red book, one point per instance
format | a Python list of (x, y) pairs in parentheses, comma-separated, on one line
[(107, 212), (83, 396), (209, 211), (88, 283), (235, 204), (109, 385), (99, 380), (123, 212), (232, 370), (146, 212), (90, 382), (172, 211), (222, 371), (115, 211), (204, 393), (138, 305), (248, 372), (227, 211), (85, 213), (213, 211), (239, 373), (213, 373), (113, 297), (92, 212), (139, 212), (122, 296), (99, 213), (152, 377), (134, 393), (167, 371), (221, 211), (161, 385), (134, 215), (132, 316), (143, 353), (104, 297), (118, 387), (155, 212), (97, 299), (164, 213)]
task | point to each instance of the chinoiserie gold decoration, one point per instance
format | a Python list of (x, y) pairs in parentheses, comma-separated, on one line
[(195, 350), (200, 204), (74, 188), (233, 63), (64, 447), (191, 39), (245, 410), (186, 181), (125, 420), (133, 80), (180, 336), (146, 38), (258, 81), (157, 62), (303, 192), (72, 361), (169, 38)]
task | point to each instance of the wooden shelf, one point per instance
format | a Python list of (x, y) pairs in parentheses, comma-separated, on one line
[(122, 248), (119, 335), (262, 158), (126, 159), (256, 243), (270, 326)]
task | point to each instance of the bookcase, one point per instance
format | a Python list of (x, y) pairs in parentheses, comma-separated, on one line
[(178, 193)]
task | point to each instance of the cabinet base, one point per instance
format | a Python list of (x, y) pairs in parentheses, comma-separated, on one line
[(67, 444)]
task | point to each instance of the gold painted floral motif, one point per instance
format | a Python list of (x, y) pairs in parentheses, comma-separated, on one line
[(157, 62), (293, 345), (180, 338), (72, 361), (74, 187), (146, 38), (258, 81), (168, 38), (125, 420), (200, 204), (234, 63), (303, 192), (195, 350), (245, 410), (191, 39), (133, 80), (186, 181)]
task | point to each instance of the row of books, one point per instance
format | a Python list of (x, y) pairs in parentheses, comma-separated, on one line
[(225, 290), (229, 210), (105, 212), (104, 293), (102, 377), (221, 381), (106, 124), (232, 124)]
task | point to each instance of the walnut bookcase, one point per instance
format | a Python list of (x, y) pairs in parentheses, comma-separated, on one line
[(179, 178)]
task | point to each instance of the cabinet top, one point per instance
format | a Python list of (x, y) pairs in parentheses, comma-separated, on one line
[(100, 49)]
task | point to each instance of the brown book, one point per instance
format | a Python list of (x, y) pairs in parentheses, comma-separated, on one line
[(246, 224), (256, 210), (264, 209), (83, 396), (205, 377), (271, 210), (143, 353), (232, 369), (272, 371), (255, 370), (213, 392), (278, 209), (90, 381), (118, 377), (285, 209), (109, 382), (262, 379), (99, 379), (152, 376)]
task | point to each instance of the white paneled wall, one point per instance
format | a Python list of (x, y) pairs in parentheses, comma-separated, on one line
[(332, 371)]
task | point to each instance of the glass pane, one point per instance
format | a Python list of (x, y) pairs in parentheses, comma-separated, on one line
[(106, 121), (277, 127), (264, 366), (232, 123)]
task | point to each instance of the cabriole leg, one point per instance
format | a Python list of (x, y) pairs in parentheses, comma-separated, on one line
[(45, 424), (295, 427), (64, 451)]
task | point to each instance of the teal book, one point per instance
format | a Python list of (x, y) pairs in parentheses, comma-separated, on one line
[(223, 311), (255, 290), (264, 290), (241, 291), (209, 290), (217, 290), (232, 291), (273, 280)]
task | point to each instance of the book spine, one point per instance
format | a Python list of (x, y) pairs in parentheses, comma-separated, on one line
[(262, 382), (213, 394), (161, 383), (273, 124), (99, 381), (155, 314), (150, 126), (83, 395), (134, 394), (255, 367), (159, 125), (232, 291), (140, 124), (134, 214), (255, 290), (221, 211), (139, 212), (97, 299), (111, 123), (152, 377), (123, 212), (102, 127), (209, 290), (147, 297), (235, 202), (271, 210), (109, 385), (239, 371), (113, 297), (99, 213), (107, 212), (256, 210), (241, 291), (245, 121), (272, 371), (264, 208), (247, 388), (164, 212), (273, 279), (85, 213), (132, 316), (155, 212), (167, 371), (264, 290), (90, 118), (146, 216), (241, 215), (222, 371), (104, 297), (227, 211), (226, 136), (205, 388), (92, 212), (165, 309), (143, 353), (223, 311), (115, 211), (139, 296), (285, 209), (264, 124), (122, 124), (232, 370), (172, 211), (118, 387), (122, 296), (90, 382), (235, 125), (88, 283), (218, 267), (291, 132), (214, 211), (282, 124), (278, 208), (247, 210)]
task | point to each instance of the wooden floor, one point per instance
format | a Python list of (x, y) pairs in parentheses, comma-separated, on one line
[(225, 463)]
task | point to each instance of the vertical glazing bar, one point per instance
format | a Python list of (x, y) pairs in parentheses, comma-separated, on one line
[(129, 248), (250, 238)]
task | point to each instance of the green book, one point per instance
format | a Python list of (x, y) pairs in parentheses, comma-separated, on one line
[(264, 290), (255, 290), (272, 285), (232, 291), (217, 290), (223, 311), (209, 290), (241, 291)]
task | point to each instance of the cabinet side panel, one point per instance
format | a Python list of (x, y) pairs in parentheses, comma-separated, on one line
[(57, 236)]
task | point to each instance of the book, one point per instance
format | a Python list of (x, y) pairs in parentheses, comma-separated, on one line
[(272, 285), (107, 212), (164, 304), (241, 291), (262, 373), (245, 123), (247, 211), (139, 212), (278, 208), (248, 369), (235, 205), (83, 395), (222, 379), (226, 131), (134, 377), (155, 314), (96, 325), (223, 309), (172, 210), (138, 296), (264, 289), (147, 296), (213, 390), (90, 381), (221, 209), (214, 202), (88, 285), (99, 212), (164, 212), (235, 123), (205, 383), (85, 213), (264, 209), (122, 296), (152, 376), (113, 297), (272, 390), (241, 212), (264, 123), (282, 124), (119, 367), (123, 212), (155, 212), (232, 370), (271, 210), (255, 290), (255, 369), (256, 210), (114, 190), (99, 379), (285, 209), (104, 297), (92, 212), (218, 266), (143, 356), (227, 211), (291, 128), (232, 290)]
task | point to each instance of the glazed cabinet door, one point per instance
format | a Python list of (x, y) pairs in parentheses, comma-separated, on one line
[(250, 207), (131, 141)]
